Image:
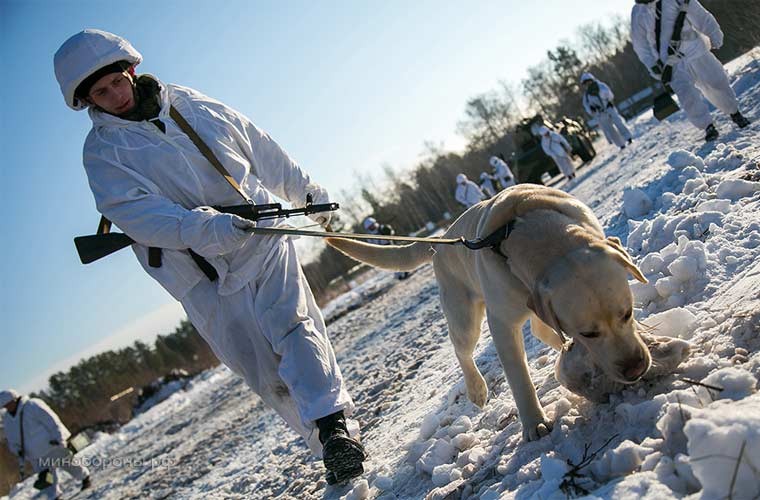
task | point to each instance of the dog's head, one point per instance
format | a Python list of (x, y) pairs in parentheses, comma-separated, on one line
[(586, 295)]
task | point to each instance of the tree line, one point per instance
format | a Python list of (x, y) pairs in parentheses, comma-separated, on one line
[(82, 396)]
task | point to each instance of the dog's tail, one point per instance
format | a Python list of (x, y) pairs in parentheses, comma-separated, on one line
[(391, 257)]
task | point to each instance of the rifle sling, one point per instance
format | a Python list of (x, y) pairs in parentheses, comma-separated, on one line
[(154, 253), (204, 265), (206, 151)]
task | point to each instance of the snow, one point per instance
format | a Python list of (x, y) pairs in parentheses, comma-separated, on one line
[(688, 213), (677, 322), (724, 448)]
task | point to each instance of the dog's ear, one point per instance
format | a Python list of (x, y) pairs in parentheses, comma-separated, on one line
[(540, 303), (615, 242), (616, 249)]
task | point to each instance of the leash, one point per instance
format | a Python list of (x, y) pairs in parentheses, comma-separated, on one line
[(492, 241)]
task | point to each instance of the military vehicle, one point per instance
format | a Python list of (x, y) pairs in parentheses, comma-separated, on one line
[(529, 161)]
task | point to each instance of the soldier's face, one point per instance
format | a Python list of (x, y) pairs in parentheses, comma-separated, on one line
[(113, 93)]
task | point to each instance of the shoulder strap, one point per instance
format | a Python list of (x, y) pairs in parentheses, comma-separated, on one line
[(675, 39), (21, 428), (206, 151), (657, 26), (678, 27)]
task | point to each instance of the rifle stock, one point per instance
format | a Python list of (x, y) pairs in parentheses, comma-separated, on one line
[(97, 246)]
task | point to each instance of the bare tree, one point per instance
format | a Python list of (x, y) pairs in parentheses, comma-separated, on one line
[(488, 117)]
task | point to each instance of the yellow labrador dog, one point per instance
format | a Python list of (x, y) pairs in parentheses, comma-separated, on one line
[(553, 266)]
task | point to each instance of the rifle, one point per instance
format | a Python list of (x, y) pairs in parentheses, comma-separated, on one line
[(96, 246)]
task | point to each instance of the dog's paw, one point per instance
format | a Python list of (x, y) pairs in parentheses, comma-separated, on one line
[(477, 392), (667, 353), (535, 430)]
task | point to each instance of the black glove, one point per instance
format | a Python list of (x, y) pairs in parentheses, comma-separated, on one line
[(595, 109), (54, 442), (610, 105)]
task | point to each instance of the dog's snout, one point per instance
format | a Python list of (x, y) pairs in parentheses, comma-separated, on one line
[(633, 369)]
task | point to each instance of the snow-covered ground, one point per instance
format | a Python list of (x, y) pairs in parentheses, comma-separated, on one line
[(689, 214)]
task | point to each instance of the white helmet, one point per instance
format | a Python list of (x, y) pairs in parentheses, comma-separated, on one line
[(586, 77), (461, 178), (85, 53), (369, 222), (8, 396), (494, 161)]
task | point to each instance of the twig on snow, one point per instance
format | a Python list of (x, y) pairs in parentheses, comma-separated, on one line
[(694, 382), (568, 485), (736, 470)]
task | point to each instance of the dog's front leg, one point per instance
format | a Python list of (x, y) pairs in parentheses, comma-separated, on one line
[(509, 345)]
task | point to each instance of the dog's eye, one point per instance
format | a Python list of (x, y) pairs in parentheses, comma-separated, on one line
[(590, 335), (627, 315)]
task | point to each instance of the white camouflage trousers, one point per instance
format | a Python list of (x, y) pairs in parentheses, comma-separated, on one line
[(693, 80), (613, 127), (565, 164), (61, 459), (272, 334)]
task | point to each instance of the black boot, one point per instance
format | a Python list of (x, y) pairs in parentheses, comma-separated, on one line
[(86, 483), (740, 120), (711, 133), (342, 454)]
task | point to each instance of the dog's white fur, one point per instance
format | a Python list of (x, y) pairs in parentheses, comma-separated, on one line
[(560, 272)]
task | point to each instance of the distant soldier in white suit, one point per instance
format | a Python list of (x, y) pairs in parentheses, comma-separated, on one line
[(598, 101), (696, 72), (559, 150), (502, 172), (487, 184), (467, 192), (35, 434)]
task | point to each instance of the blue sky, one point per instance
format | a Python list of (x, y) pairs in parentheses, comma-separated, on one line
[(344, 87)]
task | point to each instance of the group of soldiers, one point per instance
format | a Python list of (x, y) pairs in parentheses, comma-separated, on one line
[(500, 177), (676, 52)]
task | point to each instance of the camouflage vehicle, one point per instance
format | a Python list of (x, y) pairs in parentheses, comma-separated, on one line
[(529, 161)]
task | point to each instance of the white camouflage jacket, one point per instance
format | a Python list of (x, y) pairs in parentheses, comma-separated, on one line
[(157, 188), (700, 31), (41, 426), (555, 145), (599, 101), (468, 193)]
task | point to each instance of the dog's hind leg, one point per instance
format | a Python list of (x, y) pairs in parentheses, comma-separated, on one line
[(464, 314)]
